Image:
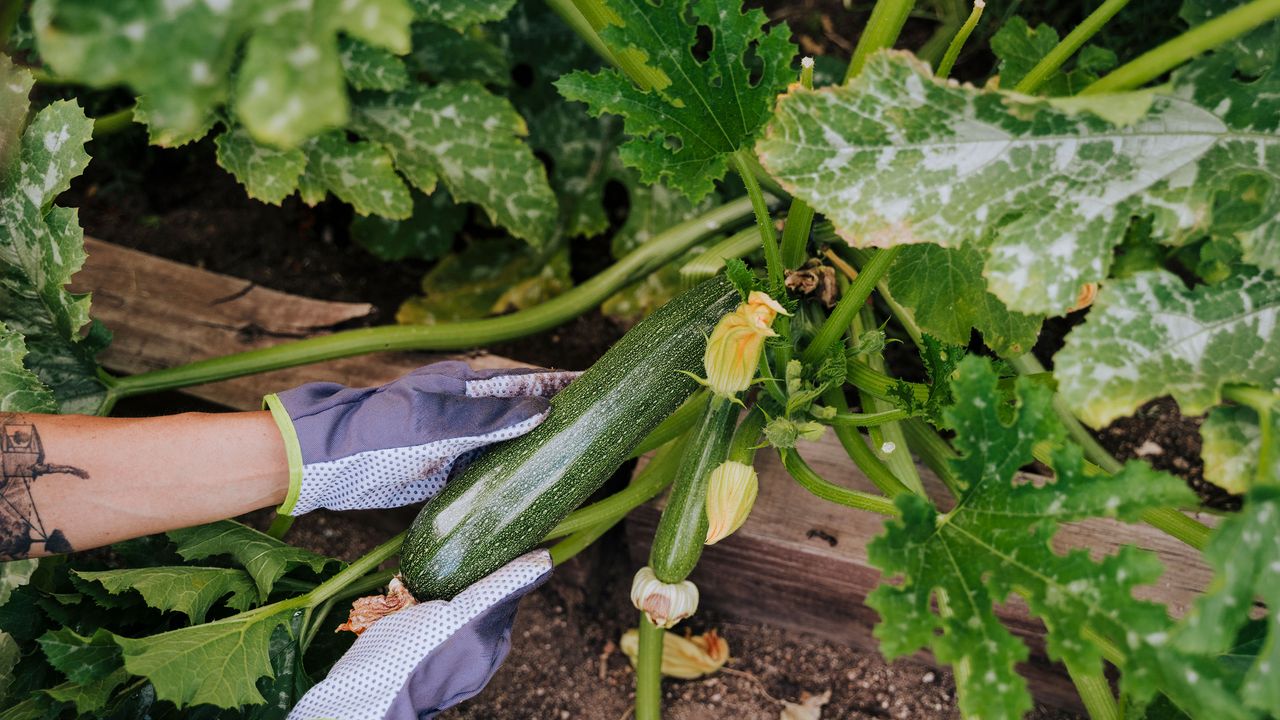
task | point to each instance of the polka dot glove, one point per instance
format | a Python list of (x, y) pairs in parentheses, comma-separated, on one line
[(414, 663), (393, 445)]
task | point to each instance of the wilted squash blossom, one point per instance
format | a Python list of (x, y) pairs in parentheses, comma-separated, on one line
[(733, 351), (366, 611), (665, 604), (731, 492), (686, 658)]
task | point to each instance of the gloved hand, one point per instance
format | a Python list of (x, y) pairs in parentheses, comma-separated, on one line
[(416, 662), (382, 447)]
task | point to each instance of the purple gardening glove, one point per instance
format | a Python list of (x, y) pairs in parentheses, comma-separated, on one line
[(383, 447), (414, 663)]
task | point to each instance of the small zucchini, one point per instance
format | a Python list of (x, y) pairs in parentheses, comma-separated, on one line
[(513, 495)]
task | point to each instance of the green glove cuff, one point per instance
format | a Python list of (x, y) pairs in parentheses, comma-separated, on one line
[(292, 449)]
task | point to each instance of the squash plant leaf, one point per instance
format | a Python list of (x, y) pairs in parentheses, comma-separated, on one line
[(1231, 447), (269, 174), (89, 696), (461, 14), (188, 590), (82, 659), (1044, 189), (218, 663), (288, 79), (471, 139), (20, 389), (265, 558), (41, 247), (489, 277), (703, 110), (945, 292), (371, 68), (996, 541), (360, 173), (1245, 552), (1148, 336), (426, 234)]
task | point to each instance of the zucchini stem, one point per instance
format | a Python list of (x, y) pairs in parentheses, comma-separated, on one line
[(962, 36), (764, 222), (649, 671), (1203, 37), (831, 492), (882, 30), (1050, 63), (660, 250), (841, 317)]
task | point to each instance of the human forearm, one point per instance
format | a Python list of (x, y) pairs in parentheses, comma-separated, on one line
[(76, 482)]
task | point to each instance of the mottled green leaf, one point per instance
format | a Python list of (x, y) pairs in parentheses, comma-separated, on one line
[(371, 68), (997, 540), (899, 157), (945, 292), (41, 247), (488, 277), (268, 173), (1232, 445), (217, 663), (470, 138), (360, 173), (266, 558), (460, 14), (20, 389), (82, 659), (1253, 53), (1148, 336), (9, 654), (446, 55), (188, 590), (1245, 554), (184, 58), (426, 235), (684, 130)]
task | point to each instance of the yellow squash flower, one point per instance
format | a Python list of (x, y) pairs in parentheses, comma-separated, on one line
[(733, 351)]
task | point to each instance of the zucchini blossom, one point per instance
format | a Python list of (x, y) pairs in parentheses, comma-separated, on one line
[(731, 493), (733, 351), (665, 604)]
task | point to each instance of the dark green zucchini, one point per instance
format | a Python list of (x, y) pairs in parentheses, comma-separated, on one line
[(514, 494), (682, 531)]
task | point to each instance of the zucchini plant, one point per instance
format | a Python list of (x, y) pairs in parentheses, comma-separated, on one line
[(1135, 188)]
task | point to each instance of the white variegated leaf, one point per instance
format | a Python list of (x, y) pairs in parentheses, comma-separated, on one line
[(1148, 336), (1045, 191)]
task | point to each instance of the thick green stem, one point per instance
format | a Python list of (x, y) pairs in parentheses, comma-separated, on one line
[(764, 222), (280, 525), (882, 30), (1050, 63), (335, 585), (579, 541), (837, 324), (811, 481), (113, 122), (645, 486), (877, 383), (578, 22), (449, 336), (1201, 38), (795, 234), (867, 419), (746, 439), (856, 447), (649, 671), (888, 436), (705, 265), (934, 452), (962, 36), (1095, 692)]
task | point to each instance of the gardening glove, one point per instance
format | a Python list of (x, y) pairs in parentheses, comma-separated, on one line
[(414, 663), (393, 445)]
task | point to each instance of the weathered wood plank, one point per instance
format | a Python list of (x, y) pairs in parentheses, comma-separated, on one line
[(801, 563), (163, 313)]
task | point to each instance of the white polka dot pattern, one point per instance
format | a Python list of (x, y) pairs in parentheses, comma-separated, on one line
[(542, 384), (363, 684), (392, 477)]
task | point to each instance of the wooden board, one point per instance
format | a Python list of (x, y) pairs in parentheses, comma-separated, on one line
[(801, 563), (163, 313)]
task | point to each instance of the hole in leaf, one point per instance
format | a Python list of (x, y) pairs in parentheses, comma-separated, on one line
[(673, 143), (702, 44), (522, 75)]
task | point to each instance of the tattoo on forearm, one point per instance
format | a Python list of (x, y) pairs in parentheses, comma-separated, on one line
[(22, 463)]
